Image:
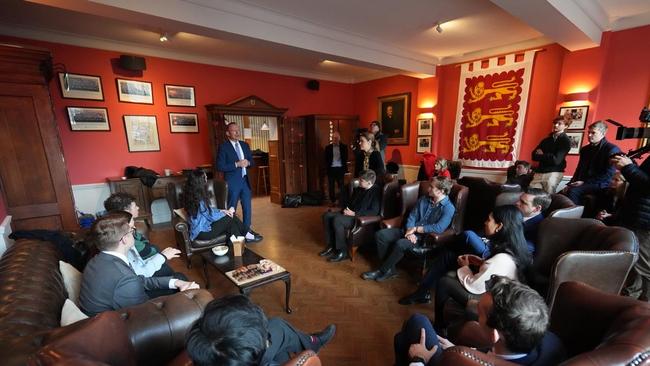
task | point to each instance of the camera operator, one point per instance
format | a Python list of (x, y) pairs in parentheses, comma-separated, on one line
[(635, 215)]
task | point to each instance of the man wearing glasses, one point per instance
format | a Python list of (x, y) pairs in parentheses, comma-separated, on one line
[(109, 282)]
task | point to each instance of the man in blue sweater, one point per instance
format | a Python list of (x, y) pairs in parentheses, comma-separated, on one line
[(431, 214)]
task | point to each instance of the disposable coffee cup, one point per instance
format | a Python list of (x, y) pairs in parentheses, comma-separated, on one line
[(168, 172)]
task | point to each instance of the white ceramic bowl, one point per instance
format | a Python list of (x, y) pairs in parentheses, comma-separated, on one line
[(220, 250)]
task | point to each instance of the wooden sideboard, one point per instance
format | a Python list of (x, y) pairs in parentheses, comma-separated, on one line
[(143, 195)]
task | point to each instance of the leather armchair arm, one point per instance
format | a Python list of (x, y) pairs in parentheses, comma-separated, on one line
[(395, 222), (461, 355), (445, 237), (157, 328), (304, 358), (367, 220)]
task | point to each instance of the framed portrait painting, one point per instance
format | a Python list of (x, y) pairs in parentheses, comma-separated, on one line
[(178, 95), (578, 116), (134, 91), (88, 119), (77, 86), (424, 144), (394, 112), (576, 142), (141, 133), (425, 127), (183, 122)]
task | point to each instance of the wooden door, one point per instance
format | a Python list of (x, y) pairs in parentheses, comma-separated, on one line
[(274, 172), (293, 156), (33, 176)]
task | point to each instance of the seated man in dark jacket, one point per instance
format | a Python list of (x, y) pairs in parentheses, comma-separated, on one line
[(364, 202), (594, 171), (511, 316), (431, 214), (109, 282)]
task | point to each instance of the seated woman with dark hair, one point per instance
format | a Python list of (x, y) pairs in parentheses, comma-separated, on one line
[(207, 223), (368, 156), (609, 199), (509, 257)]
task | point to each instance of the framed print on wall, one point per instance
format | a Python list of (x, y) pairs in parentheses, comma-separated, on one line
[(141, 133), (179, 95), (183, 122), (425, 127), (133, 91), (576, 142), (424, 144), (88, 119), (394, 113), (77, 86), (578, 116)]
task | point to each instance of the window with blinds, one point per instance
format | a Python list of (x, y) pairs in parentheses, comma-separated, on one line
[(256, 129)]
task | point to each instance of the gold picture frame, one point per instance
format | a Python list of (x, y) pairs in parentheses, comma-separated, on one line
[(394, 113)]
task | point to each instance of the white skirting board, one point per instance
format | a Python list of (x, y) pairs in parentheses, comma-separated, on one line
[(5, 231)]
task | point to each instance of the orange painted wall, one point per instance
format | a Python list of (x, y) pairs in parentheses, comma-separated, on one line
[(93, 156)]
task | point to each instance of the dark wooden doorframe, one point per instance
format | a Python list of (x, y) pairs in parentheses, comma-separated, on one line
[(33, 176)]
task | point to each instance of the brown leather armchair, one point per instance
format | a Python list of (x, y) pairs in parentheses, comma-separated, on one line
[(562, 206), (32, 298), (481, 199), (582, 250), (596, 328), (218, 191), (363, 231)]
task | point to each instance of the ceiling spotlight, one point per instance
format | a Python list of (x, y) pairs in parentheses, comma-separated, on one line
[(163, 37), (437, 27)]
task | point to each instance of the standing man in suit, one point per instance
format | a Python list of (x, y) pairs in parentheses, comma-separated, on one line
[(233, 161), (594, 172), (109, 282), (336, 159)]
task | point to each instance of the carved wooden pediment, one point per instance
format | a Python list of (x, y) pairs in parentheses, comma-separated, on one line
[(251, 105)]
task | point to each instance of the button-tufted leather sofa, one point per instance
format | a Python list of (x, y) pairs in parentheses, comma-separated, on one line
[(32, 294)]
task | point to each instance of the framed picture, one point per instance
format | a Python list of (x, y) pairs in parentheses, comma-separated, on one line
[(183, 122), (88, 119), (133, 91), (578, 116), (178, 95), (77, 86), (394, 113), (424, 144), (576, 142), (141, 133), (425, 127)]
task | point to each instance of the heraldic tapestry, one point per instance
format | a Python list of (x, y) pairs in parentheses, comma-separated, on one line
[(491, 110)]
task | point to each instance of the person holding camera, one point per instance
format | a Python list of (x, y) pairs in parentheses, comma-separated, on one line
[(635, 215)]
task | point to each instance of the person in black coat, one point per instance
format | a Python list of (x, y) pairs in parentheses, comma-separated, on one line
[(336, 161), (551, 156), (367, 156), (594, 172), (364, 202)]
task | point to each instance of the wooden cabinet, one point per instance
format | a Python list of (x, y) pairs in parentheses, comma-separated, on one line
[(318, 130)]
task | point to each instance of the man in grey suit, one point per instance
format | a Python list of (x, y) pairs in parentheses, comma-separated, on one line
[(109, 282)]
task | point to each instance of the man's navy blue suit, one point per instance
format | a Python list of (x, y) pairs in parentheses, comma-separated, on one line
[(238, 185)]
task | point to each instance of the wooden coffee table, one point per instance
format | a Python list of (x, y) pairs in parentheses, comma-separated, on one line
[(228, 262)]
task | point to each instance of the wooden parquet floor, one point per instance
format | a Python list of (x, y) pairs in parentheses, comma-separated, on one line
[(366, 313)]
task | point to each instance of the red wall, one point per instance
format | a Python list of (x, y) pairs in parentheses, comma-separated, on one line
[(93, 156)]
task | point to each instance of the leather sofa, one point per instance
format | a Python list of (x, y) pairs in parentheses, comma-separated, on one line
[(596, 328), (33, 294)]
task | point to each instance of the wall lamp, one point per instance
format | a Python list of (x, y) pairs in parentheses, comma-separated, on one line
[(575, 97)]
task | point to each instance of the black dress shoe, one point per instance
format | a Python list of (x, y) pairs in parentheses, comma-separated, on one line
[(391, 273), (371, 275), (326, 252), (320, 339), (257, 238), (337, 257), (416, 298)]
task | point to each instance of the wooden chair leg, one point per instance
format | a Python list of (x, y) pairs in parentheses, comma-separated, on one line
[(353, 252), (188, 258)]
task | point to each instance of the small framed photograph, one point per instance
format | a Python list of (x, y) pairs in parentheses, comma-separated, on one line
[(179, 95), (425, 127), (133, 91), (77, 86), (578, 116), (88, 119), (183, 122), (576, 142), (424, 144), (141, 133)]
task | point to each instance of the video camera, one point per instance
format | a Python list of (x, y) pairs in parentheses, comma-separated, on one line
[(623, 133)]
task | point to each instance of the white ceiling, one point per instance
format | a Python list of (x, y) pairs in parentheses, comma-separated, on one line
[(368, 39)]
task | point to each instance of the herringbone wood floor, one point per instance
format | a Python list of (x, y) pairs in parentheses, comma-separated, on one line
[(366, 313)]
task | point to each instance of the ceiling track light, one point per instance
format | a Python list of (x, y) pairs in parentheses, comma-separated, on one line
[(164, 37), (437, 27)]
